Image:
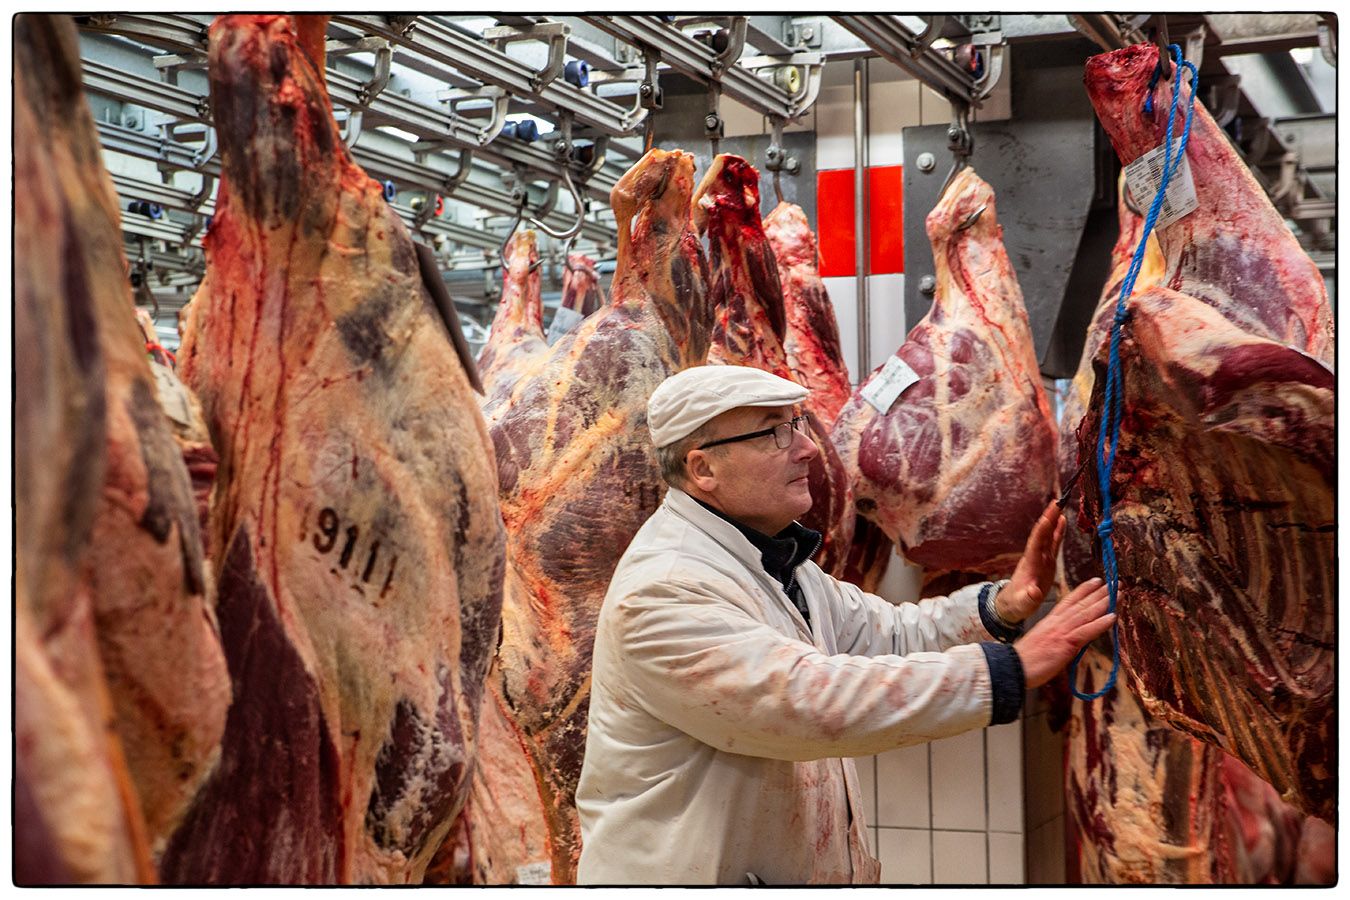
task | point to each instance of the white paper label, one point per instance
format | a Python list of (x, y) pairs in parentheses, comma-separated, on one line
[(564, 320), (1144, 176), (535, 873), (888, 384), (173, 395)]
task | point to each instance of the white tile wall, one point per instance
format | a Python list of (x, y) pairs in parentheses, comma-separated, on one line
[(834, 127), (960, 857), (867, 785), (906, 855), (843, 295), (886, 317), (1003, 768), (1007, 857), (958, 781), (902, 788)]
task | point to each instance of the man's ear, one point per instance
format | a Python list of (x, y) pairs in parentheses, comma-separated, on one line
[(699, 470)]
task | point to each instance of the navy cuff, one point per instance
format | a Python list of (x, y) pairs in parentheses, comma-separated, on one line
[(1010, 685), (1001, 630)]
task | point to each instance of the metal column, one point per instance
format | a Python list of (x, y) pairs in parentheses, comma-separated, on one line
[(860, 135)]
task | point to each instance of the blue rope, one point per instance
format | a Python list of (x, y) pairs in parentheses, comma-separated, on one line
[(1114, 399)]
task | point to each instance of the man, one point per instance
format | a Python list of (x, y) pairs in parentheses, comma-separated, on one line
[(731, 674)]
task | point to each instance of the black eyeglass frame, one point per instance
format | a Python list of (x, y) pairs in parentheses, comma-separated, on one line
[(796, 423)]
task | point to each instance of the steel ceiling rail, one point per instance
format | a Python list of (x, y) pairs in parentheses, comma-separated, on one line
[(180, 32), (686, 55), (896, 43), (147, 92), (473, 56), (405, 172), (389, 108), (165, 195)]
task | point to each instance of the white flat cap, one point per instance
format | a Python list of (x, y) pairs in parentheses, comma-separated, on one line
[(688, 399)]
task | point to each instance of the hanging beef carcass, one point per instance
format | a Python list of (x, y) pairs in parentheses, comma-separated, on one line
[(962, 463), (1223, 500), (358, 542), (517, 334), (814, 352), (751, 326), (120, 683), (579, 476)]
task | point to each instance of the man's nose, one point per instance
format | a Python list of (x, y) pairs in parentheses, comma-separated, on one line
[(804, 449)]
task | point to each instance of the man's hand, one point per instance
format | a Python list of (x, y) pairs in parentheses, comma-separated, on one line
[(1074, 621), (1035, 572)]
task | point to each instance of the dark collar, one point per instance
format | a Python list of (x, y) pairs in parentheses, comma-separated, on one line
[(780, 554)]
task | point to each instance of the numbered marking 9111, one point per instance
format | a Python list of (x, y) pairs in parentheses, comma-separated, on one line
[(361, 558)]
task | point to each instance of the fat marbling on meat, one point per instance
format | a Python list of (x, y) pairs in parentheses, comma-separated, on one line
[(961, 465), (1223, 499)]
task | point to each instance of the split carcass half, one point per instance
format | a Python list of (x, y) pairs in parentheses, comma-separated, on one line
[(579, 475), (120, 682), (751, 327), (1223, 499), (357, 540), (962, 463), (517, 334), (814, 352)]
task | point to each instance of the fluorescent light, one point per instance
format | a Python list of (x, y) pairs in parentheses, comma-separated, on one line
[(1302, 55), (397, 132)]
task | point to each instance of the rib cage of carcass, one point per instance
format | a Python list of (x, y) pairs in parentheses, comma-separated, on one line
[(1223, 498)]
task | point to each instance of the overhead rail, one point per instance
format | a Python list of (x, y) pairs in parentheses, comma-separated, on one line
[(484, 190), (469, 54), (690, 57), (427, 122), (893, 41)]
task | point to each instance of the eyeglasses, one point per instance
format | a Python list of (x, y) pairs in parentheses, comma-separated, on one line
[(782, 434)]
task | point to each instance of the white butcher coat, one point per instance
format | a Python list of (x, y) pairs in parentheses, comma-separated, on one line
[(717, 719)]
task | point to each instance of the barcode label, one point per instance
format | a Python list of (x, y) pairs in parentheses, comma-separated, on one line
[(535, 873), (888, 384), (564, 320), (1144, 177)]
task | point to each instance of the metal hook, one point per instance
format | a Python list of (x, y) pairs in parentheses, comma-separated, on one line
[(959, 141), (972, 218), (562, 149)]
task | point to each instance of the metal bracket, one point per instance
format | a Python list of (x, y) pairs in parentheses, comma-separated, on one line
[(733, 26), (554, 34), (777, 160), (798, 75), (1225, 95), (802, 32), (500, 102), (979, 23), (713, 126), (402, 24), (352, 130), (208, 151), (371, 89)]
